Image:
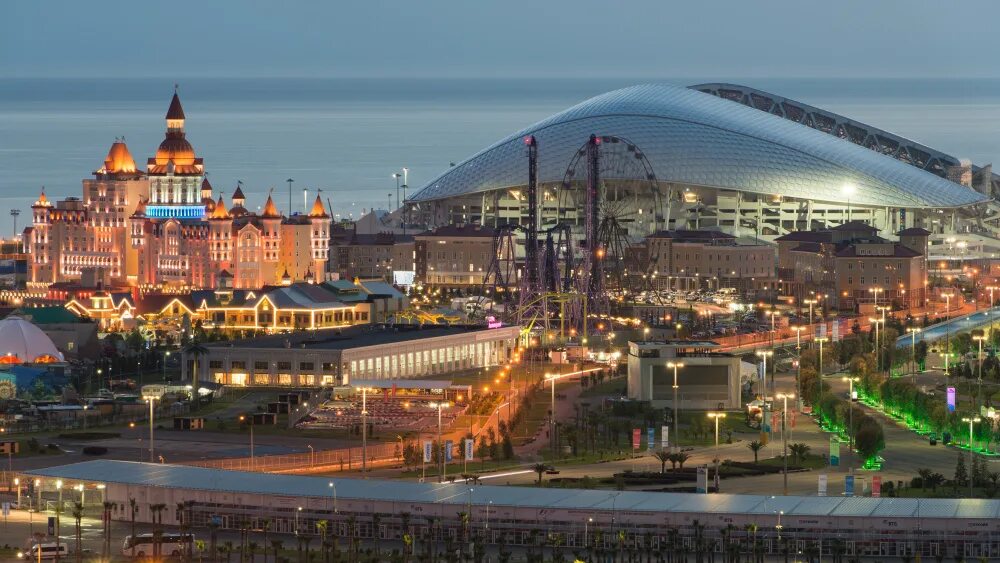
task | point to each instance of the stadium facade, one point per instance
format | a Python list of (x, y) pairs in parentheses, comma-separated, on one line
[(719, 156)]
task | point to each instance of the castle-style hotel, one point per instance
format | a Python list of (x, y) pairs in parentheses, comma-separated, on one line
[(162, 229)]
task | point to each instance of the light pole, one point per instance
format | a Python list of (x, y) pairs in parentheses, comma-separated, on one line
[(850, 410), (913, 346), (552, 411), (875, 291), (249, 419), (364, 431), (586, 531), (676, 405), (716, 416), (166, 356), (333, 486), (947, 333), (439, 406), (784, 435), (798, 358), (810, 302), (979, 338), (297, 512), (992, 339), (878, 351), (152, 400), (971, 421), (17, 483), (763, 354)]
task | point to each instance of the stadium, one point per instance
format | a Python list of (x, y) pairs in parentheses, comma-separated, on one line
[(717, 156)]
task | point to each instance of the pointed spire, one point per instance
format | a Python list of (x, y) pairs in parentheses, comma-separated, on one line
[(42, 200), (318, 211), (175, 111), (238, 196), (206, 186), (219, 211), (270, 211)]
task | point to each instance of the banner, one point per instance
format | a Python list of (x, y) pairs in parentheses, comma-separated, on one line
[(951, 399), (849, 485), (834, 452), (836, 331), (822, 485), (469, 445), (650, 438), (876, 486), (448, 447), (665, 437), (428, 451), (636, 435), (702, 486), (766, 422), (822, 329)]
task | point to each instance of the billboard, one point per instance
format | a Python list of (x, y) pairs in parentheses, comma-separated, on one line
[(428, 451), (834, 452), (822, 485)]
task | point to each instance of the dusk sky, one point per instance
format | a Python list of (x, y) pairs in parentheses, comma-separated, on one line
[(584, 38)]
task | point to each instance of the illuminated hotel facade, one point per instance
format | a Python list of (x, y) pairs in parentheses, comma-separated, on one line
[(163, 229)]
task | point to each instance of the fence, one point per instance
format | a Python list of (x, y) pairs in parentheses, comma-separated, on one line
[(343, 459)]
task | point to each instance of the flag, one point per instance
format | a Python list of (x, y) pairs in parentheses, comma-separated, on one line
[(834, 452), (448, 447), (665, 437), (849, 485), (469, 449), (822, 485), (650, 438), (636, 436), (428, 451), (876, 486)]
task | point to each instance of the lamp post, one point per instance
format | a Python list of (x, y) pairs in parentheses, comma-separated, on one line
[(552, 411), (850, 410), (878, 351), (333, 487), (244, 418), (992, 339), (947, 333), (979, 338), (364, 431), (763, 354), (586, 531), (798, 358), (439, 406), (810, 302), (166, 356), (17, 483), (676, 405), (152, 400), (913, 346), (784, 435), (971, 421), (716, 416), (875, 291)]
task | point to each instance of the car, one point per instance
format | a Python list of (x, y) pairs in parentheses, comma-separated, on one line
[(45, 551), (552, 472)]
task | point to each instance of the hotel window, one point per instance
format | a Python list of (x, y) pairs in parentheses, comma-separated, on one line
[(215, 364), (305, 366), (260, 366), (284, 365), (236, 364), (329, 366), (284, 379)]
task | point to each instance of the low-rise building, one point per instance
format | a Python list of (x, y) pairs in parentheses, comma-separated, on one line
[(453, 255), (689, 258), (707, 380), (339, 356), (371, 256)]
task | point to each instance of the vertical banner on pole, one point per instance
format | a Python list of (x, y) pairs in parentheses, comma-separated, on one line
[(428, 451), (836, 331), (469, 445), (636, 437), (665, 437), (702, 486), (448, 447), (951, 399), (822, 485), (650, 438), (834, 452), (876, 486), (849, 485)]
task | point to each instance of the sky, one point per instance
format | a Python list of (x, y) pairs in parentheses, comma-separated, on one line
[(494, 38)]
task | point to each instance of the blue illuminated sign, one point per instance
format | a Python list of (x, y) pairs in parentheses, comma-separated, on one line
[(175, 211)]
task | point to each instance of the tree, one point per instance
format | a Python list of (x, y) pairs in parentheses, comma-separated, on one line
[(195, 350), (133, 510), (799, 451), (961, 473), (663, 456), (755, 447), (78, 517), (508, 447), (540, 469), (681, 458), (925, 477)]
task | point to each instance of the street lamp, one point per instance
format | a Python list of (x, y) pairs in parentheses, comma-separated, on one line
[(551, 378), (979, 338), (151, 399), (875, 291), (364, 431), (716, 416), (798, 358), (333, 486), (850, 410), (784, 436), (586, 531), (810, 302), (971, 421), (878, 351), (913, 346), (676, 405), (439, 406), (243, 418), (763, 354)]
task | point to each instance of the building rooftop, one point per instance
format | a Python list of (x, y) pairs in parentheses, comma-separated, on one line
[(465, 230), (351, 337), (914, 232), (199, 478), (898, 251), (695, 236)]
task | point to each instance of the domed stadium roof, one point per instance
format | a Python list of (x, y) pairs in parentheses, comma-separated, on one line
[(24, 343), (697, 139)]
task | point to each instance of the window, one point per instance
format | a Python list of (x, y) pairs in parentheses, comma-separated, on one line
[(284, 365), (237, 364), (260, 365), (215, 364), (305, 366), (329, 366)]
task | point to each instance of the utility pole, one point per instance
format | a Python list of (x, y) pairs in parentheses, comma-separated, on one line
[(15, 212), (289, 196)]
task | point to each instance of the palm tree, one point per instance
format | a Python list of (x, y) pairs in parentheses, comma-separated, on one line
[(681, 458), (755, 447), (184, 516), (109, 507), (540, 469), (799, 451), (134, 509), (265, 526), (157, 511), (663, 456), (925, 477), (251, 550), (376, 523), (276, 547), (78, 516)]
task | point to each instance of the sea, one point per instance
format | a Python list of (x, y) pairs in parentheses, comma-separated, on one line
[(347, 137)]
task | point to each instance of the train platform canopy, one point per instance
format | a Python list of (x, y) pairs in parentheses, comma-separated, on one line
[(182, 477)]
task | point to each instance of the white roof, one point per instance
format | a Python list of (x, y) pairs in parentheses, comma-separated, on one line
[(26, 341)]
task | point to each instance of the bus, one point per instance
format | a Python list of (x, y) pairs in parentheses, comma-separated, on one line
[(170, 544)]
